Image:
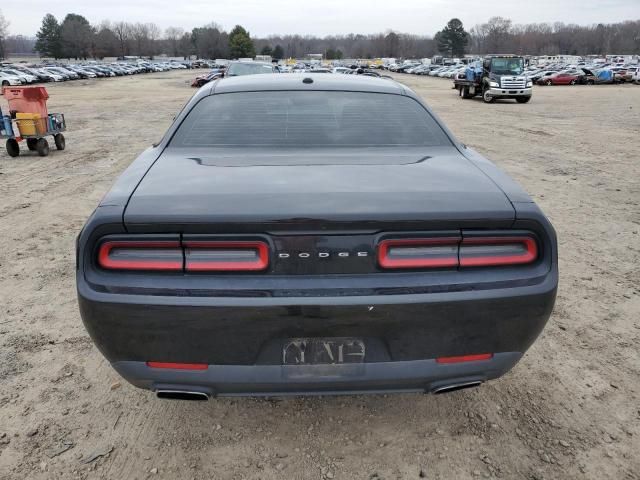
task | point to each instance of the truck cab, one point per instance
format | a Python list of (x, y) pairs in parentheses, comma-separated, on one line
[(501, 76)]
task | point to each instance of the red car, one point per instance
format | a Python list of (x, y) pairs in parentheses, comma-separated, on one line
[(559, 79)]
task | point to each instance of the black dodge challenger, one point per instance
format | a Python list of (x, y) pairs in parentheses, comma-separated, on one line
[(313, 234)]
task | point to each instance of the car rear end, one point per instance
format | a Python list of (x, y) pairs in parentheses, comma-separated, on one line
[(247, 273)]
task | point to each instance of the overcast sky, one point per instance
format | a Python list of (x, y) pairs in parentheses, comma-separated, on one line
[(319, 17)]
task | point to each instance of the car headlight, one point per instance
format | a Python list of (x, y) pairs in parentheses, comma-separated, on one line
[(529, 83), (494, 84)]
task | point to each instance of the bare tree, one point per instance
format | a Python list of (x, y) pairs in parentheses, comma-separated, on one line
[(140, 38), (172, 36), (106, 43), (4, 31), (122, 31), (153, 37)]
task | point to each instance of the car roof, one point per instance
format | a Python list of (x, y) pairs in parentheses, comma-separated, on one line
[(249, 62), (294, 81)]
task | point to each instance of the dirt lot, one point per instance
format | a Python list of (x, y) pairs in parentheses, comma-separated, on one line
[(570, 409)]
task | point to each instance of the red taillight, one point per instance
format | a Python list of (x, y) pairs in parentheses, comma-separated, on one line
[(465, 358), (467, 251), (494, 251), (140, 255), (225, 256), (436, 252), (178, 366)]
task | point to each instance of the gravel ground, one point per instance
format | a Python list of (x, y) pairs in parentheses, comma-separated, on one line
[(570, 408)]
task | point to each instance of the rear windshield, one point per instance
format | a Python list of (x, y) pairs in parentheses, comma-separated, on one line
[(303, 119)]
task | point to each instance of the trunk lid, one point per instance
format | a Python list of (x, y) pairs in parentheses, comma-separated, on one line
[(251, 190)]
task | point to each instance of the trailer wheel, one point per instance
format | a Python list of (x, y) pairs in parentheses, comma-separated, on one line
[(43, 147), (523, 99), (59, 139), (13, 149), (486, 97), (31, 143), (464, 92)]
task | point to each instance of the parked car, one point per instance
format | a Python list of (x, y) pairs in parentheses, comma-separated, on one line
[(24, 77), (201, 80), (541, 75), (38, 76), (82, 73), (8, 80), (559, 79), (99, 73), (53, 77), (286, 236), (236, 69), (72, 74)]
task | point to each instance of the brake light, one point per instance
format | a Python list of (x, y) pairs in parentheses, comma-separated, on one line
[(465, 358), (467, 251), (178, 366), (494, 251), (436, 252), (224, 256), (140, 255)]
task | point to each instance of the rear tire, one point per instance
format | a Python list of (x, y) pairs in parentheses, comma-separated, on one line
[(43, 147), (573, 82), (590, 82), (31, 143), (464, 92), (549, 83), (59, 140), (13, 149), (523, 99)]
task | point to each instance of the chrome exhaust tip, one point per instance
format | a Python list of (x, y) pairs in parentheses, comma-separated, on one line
[(456, 386), (182, 395)]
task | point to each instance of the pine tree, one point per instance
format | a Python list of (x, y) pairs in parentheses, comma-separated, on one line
[(266, 50), (452, 39), (278, 52), (241, 44), (48, 38)]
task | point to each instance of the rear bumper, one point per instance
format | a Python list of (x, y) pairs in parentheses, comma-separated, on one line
[(426, 376), (241, 339)]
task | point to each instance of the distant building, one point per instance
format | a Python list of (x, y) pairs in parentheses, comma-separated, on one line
[(314, 58)]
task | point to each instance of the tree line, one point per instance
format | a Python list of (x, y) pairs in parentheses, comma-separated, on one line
[(75, 37)]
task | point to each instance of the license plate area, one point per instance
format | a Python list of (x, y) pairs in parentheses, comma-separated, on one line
[(323, 351)]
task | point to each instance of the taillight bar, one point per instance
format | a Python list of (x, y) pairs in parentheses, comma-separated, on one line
[(224, 256), (495, 251), (437, 252), (451, 252), (190, 256), (140, 255)]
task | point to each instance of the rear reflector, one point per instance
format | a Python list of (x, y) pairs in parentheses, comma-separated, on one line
[(225, 256), (494, 251), (465, 358), (178, 366), (436, 252), (140, 255)]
